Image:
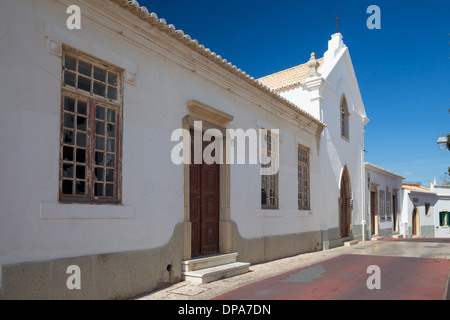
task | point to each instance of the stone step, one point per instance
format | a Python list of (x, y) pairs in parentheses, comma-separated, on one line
[(350, 243), (211, 274), (375, 238), (207, 262), (397, 236)]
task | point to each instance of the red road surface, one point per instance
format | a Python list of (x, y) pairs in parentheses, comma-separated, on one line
[(435, 240), (345, 277)]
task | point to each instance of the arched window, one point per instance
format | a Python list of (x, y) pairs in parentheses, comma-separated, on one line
[(344, 114)]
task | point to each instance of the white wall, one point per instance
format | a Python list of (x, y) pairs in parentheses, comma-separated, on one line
[(30, 127), (442, 204), (321, 98), (338, 152), (390, 182), (426, 221), (302, 98), (33, 226), (254, 222)]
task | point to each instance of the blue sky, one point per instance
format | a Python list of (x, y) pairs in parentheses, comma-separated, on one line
[(403, 69)]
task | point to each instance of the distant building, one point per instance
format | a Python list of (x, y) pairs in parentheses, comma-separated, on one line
[(384, 201), (418, 210), (426, 210), (441, 210)]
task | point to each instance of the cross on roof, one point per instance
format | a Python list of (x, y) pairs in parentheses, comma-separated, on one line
[(337, 21)]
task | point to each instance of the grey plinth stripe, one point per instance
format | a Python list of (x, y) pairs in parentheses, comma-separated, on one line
[(104, 276)]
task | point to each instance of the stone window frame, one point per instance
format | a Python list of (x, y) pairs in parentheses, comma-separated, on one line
[(112, 105)]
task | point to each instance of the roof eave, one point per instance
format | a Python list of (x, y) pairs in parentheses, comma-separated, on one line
[(143, 13)]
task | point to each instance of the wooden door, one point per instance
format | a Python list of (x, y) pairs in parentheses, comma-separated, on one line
[(204, 208), (209, 238), (415, 223), (394, 213), (345, 219), (345, 205), (343, 214), (373, 213), (195, 208)]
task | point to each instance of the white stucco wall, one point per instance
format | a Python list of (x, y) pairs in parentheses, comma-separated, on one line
[(34, 226), (442, 204), (30, 156), (387, 181), (426, 221), (338, 152), (254, 222), (302, 98)]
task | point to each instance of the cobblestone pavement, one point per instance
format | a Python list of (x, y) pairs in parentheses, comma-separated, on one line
[(429, 248)]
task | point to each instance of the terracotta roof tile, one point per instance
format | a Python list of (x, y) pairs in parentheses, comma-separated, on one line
[(415, 187), (288, 77)]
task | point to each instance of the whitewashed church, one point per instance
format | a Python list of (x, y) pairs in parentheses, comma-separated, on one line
[(87, 175)]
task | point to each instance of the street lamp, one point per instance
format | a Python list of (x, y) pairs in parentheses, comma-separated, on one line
[(442, 142)]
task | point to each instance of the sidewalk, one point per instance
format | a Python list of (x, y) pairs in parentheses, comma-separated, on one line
[(184, 290), (189, 291)]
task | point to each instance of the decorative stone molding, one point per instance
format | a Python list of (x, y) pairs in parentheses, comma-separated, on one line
[(208, 113), (54, 47), (374, 187), (130, 77), (313, 65)]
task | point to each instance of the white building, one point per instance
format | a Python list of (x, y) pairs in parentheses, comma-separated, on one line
[(87, 174), (418, 212), (328, 89), (441, 210), (384, 201)]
